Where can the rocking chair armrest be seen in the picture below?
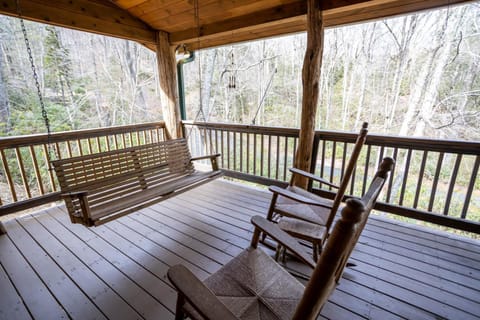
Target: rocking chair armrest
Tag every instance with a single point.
(296, 197)
(312, 177)
(200, 297)
(283, 238)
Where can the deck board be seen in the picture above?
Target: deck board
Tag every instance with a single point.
(51, 269)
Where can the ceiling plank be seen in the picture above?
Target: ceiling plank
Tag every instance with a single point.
(84, 15)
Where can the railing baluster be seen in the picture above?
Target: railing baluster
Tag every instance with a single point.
(367, 164)
(69, 149)
(269, 154)
(149, 135)
(471, 186)
(405, 176)
(53, 186)
(420, 179)
(90, 147)
(332, 163)
(262, 147)
(222, 145)
(36, 169)
(234, 150)
(435, 181)
(124, 141)
(115, 141)
(392, 177)
(216, 141)
(23, 174)
(277, 158)
(344, 160)
(6, 169)
(241, 151)
(99, 147)
(285, 160)
(451, 185)
(254, 153)
(80, 149)
(107, 143)
(228, 150)
(322, 162)
(57, 151)
(248, 152)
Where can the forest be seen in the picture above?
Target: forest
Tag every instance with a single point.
(415, 75)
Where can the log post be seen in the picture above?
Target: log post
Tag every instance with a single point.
(310, 80)
(168, 86)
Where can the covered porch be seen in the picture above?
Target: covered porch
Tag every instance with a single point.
(53, 269)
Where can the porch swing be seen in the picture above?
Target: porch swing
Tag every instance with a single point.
(104, 186)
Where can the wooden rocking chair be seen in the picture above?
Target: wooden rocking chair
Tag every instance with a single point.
(254, 286)
(294, 203)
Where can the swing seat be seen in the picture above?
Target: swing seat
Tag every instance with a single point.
(101, 187)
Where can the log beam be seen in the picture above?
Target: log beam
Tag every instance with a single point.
(100, 17)
(167, 73)
(310, 80)
(291, 18)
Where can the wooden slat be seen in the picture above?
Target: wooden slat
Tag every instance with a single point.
(139, 289)
(72, 299)
(33, 291)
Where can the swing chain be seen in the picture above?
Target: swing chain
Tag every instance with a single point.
(37, 83)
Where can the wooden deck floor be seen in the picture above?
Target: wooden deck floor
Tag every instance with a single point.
(51, 269)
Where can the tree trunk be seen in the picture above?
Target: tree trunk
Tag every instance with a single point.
(168, 85)
(310, 78)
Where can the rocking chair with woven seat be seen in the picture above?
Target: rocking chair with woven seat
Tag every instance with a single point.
(255, 286)
(293, 205)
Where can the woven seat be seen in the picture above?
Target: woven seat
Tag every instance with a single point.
(250, 294)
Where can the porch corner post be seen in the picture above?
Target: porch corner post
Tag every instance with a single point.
(167, 74)
(311, 81)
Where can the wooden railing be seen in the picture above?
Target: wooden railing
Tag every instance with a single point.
(433, 180)
(25, 177)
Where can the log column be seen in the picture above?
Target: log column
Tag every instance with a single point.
(167, 74)
(310, 80)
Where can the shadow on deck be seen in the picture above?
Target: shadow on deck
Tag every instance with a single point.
(52, 269)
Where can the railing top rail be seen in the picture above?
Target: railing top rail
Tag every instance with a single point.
(291, 132)
(37, 139)
(427, 144)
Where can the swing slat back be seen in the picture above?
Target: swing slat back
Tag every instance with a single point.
(104, 186)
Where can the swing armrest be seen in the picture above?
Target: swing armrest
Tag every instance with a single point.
(212, 157)
(75, 194)
(82, 197)
(312, 177)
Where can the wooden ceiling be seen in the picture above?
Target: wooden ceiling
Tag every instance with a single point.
(211, 23)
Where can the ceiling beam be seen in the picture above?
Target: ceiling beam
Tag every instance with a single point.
(291, 18)
(100, 17)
